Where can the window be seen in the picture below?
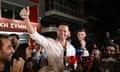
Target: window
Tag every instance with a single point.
(10, 11)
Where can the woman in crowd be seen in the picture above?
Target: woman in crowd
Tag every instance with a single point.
(85, 45)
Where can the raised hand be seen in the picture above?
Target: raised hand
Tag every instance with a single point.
(24, 13)
(18, 65)
(83, 44)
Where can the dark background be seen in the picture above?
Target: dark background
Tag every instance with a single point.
(103, 16)
(107, 13)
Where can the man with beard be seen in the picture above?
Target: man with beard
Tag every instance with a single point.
(6, 52)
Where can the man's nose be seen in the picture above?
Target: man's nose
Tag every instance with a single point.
(12, 50)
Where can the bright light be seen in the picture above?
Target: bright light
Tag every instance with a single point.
(19, 33)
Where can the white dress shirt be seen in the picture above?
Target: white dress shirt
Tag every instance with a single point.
(54, 51)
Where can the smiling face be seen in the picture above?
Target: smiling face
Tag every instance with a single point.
(63, 32)
(110, 50)
(6, 50)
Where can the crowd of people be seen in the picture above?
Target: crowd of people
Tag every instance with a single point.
(57, 55)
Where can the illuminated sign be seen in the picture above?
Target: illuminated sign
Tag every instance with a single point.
(15, 25)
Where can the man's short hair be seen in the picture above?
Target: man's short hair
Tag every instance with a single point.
(2, 36)
(63, 23)
(17, 36)
(110, 45)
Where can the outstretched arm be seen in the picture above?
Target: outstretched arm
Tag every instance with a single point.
(41, 40)
(24, 13)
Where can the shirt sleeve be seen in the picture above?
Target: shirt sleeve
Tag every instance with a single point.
(41, 40)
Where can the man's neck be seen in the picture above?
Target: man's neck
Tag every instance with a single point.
(63, 42)
(1, 66)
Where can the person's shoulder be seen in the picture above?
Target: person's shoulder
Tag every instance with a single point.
(70, 45)
(51, 39)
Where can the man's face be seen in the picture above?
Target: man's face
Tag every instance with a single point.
(81, 35)
(110, 50)
(14, 41)
(7, 50)
(63, 32)
(95, 53)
